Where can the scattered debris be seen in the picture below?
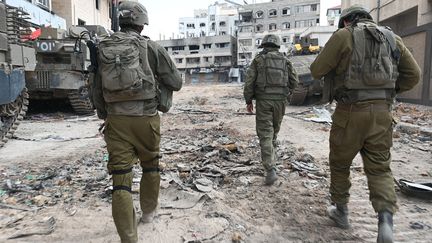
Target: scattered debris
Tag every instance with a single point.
(44, 227)
(204, 184)
(420, 190)
(320, 115)
(40, 200)
(207, 228)
(311, 184)
(236, 238)
(174, 197)
(3, 205)
(419, 226)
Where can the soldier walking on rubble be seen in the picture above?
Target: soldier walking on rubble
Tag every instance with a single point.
(131, 71)
(269, 80)
(365, 66)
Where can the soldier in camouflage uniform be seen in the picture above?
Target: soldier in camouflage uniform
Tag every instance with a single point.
(364, 66)
(132, 131)
(269, 80)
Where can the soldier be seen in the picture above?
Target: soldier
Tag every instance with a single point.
(365, 66)
(131, 70)
(269, 80)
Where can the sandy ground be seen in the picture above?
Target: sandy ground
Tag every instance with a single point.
(55, 187)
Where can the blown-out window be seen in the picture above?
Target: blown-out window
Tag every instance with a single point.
(259, 28)
(258, 41)
(272, 26)
(259, 14)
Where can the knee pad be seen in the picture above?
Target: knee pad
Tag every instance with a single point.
(122, 179)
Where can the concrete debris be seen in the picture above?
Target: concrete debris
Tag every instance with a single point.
(28, 190)
(40, 200)
(407, 128)
(174, 197)
(210, 163)
(236, 238)
(311, 184)
(419, 226)
(207, 229)
(43, 227)
(320, 115)
(204, 184)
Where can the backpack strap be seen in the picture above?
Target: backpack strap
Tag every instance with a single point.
(359, 44)
(391, 39)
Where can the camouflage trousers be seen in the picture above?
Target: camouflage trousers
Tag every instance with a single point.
(269, 115)
(129, 140)
(365, 128)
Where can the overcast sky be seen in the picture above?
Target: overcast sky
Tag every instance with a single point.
(164, 14)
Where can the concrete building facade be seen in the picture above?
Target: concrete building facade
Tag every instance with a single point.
(200, 54)
(209, 54)
(217, 19)
(82, 12)
(287, 19)
(40, 12)
(412, 20)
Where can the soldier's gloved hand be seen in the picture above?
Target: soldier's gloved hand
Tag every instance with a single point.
(249, 107)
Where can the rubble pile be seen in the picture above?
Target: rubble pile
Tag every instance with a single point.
(413, 126)
(68, 183)
(195, 163)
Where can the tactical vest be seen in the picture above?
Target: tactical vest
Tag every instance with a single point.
(124, 68)
(373, 71)
(273, 74)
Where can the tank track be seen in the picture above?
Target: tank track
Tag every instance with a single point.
(298, 96)
(82, 106)
(9, 124)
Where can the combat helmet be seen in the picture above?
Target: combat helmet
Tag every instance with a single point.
(270, 40)
(354, 9)
(132, 13)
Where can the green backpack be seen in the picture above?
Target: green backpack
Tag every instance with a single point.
(273, 73)
(373, 62)
(124, 68)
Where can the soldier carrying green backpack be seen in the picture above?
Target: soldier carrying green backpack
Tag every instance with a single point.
(269, 80)
(135, 78)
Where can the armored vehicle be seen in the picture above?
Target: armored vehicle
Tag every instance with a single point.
(62, 66)
(308, 90)
(16, 57)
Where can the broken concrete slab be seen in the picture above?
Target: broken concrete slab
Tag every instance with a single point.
(173, 197)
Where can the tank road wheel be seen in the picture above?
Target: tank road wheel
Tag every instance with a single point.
(298, 96)
(11, 115)
(81, 103)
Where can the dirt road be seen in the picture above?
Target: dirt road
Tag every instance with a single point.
(54, 185)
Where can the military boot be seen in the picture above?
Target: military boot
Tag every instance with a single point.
(271, 177)
(339, 214)
(385, 227)
(148, 217)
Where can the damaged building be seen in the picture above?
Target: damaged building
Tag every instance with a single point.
(288, 19)
(203, 59)
(217, 19)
